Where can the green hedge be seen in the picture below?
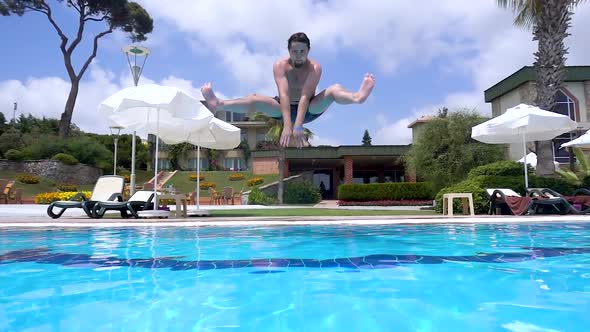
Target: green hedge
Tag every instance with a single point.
(385, 191)
(15, 155)
(558, 184)
(515, 183)
(65, 158)
(302, 193)
(258, 197)
(500, 168)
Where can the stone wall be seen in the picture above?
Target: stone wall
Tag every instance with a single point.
(54, 170)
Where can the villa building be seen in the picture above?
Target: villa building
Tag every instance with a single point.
(573, 100)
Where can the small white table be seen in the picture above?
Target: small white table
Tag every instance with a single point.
(466, 200)
(181, 201)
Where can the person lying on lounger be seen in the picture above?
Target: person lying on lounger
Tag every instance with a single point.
(297, 78)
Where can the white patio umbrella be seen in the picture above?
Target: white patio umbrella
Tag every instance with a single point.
(582, 141)
(152, 107)
(218, 135)
(523, 123)
(531, 159)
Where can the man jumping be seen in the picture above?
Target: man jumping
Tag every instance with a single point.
(297, 78)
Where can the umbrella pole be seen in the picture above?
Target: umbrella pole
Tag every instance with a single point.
(132, 177)
(526, 176)
(156, 161)
(198, 177)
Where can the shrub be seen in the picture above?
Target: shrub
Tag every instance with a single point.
(193, 177)
(207, 185)
(558, 184)
(500, 168)
(515, 183)
(302, 193)
(67, 187)
(258, 197)
(236, 176)
(47, 198)
(481, 199)
(13, 154)
(254, 181)
(27, 178)
(65, 158)
(385, 191)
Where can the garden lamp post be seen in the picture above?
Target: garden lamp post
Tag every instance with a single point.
(115, 131)
(133, 52)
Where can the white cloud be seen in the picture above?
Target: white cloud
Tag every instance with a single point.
(478, 41)
(321, 140)
(389, 33)
(46, 97)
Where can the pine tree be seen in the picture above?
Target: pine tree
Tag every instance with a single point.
(366, 138)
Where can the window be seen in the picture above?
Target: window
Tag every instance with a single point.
(203, 165)
(221, 115)
(566, 106)
(234, 164)
(243, 136)
(238, 116)
(562, 156)
(164, 164)
(230, 116)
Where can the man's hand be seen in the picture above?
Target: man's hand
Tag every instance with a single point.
(286, 136)
(299, 136)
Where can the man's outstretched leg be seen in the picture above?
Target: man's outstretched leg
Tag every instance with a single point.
(337, 93)
(249, 104)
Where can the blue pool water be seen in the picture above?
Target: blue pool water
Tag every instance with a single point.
(509, 277)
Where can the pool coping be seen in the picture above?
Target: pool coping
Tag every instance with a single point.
(283, 221)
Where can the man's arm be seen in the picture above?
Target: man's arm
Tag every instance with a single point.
(283, 88)
(307, 92)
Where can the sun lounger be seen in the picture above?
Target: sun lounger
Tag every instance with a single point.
(578, 203)
(107, 188)
(141, 200)
(507, 201)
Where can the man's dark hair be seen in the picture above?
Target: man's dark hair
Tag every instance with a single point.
(298, 37)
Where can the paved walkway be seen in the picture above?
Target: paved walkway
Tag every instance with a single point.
(34, 215)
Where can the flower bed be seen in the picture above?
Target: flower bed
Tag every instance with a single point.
(47, 198)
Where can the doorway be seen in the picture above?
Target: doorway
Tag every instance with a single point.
(322, 179)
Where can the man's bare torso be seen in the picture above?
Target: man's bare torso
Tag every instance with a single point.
(296, 77)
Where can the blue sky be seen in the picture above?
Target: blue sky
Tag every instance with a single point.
(438, 53)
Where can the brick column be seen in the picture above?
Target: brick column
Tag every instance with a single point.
(286, 168)
(348, 169)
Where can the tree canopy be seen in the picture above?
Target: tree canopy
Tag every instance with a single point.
(445, 152)
(127, 16)
(366, 138)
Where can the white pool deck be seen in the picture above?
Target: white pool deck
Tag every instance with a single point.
(34, 215)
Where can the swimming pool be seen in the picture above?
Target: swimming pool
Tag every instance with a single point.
(445, 277)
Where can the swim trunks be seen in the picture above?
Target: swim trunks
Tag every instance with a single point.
(308, 116)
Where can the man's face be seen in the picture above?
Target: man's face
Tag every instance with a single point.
(298, 54)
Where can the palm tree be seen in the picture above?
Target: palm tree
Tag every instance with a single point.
(550, 21)
(274, 136)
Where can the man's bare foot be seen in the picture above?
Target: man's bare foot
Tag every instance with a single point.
(366, 88)
(210, 97)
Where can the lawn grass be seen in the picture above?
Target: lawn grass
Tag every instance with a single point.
(182, 182)
(304, 212)
(46, 185)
